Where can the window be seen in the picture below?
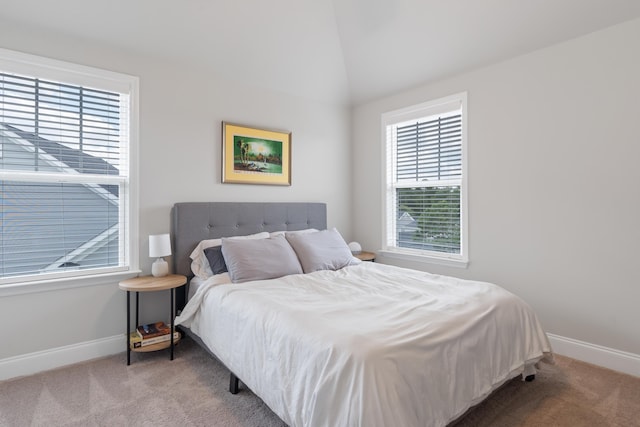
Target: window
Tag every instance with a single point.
(425, 212)
(67, 138)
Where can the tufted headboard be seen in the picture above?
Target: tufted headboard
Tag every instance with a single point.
(193, 222)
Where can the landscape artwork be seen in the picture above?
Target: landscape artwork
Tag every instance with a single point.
(251, 155)
(255, 156)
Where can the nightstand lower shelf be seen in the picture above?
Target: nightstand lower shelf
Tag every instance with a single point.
(155, 347)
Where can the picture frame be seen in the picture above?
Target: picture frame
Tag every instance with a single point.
(255, 156)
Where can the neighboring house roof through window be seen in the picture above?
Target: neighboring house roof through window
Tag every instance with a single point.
(60, 156)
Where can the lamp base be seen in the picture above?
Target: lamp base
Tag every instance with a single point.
(160, 268)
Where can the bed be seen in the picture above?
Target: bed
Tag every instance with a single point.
(365, 344)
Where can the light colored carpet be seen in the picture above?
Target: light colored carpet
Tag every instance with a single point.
(192, 390)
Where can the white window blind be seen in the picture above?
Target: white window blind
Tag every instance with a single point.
(425, 203)
(64, 176)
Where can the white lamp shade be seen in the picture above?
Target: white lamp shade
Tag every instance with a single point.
(159, 245)
(355, 248)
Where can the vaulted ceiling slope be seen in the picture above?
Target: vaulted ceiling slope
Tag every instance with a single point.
(346, 51)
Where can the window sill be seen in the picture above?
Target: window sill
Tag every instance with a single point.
(65, 283)
(426, 259)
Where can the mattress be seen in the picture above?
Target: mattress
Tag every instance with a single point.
(367, 345)
(194, 284)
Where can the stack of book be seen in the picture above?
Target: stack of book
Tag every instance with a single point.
(152, 333)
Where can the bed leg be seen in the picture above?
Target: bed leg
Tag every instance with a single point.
(233, 384)
(530, 378)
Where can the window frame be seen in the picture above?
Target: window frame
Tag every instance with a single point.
(415, 112)
(81, 75)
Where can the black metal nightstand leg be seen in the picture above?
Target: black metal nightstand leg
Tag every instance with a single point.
(137, 307)
(173, 308)
(128, 330)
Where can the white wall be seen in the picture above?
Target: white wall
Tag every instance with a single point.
(554, 202)
(181, 110)
(553, 146)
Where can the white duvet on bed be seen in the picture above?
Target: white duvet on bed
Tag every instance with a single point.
(368, 345)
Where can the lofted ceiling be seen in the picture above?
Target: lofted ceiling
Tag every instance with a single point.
(346, 51)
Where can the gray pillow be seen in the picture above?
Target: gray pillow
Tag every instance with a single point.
(324, 250)
(259, 259)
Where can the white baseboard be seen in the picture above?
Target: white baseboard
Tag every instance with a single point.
(40, 361)
(610, 358)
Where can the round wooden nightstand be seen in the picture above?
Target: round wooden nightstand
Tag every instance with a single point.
(151, 284)
(366, 256)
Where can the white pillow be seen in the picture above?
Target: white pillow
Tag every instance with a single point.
(196, 283)
(200, 264)
(259, 259)
(283, 232)
(324, 250)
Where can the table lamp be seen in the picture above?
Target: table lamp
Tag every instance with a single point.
(355, 248)
(159, 246)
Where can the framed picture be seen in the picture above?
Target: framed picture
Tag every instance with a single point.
(255, 156)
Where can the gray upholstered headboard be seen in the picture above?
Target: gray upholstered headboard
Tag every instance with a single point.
(193, 222)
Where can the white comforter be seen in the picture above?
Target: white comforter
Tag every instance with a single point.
(368, 345)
